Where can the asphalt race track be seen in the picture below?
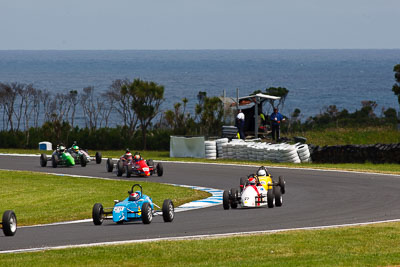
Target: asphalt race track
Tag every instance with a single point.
(313, 198)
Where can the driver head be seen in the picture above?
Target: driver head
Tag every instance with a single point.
(134, 196)
(262, 172)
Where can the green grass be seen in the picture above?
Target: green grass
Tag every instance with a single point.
(373, 245)
(164, 155)
(345, 136)
(39, 198)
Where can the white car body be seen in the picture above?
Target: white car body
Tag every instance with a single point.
(250, 194)
(83, 152)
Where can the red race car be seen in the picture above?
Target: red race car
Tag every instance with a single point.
(134, 165)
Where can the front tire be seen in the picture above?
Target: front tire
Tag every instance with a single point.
(120, 168)
(234, 195)
(54, 161)
(225, 200)
(168, 211)
(278, 196)
(98, 214)
(83, 160)
(109, 165)
(9, 222)
(160, 169)
(147, 213)
(98, 157)
(43, 160)
(128, 171)
(270, 198)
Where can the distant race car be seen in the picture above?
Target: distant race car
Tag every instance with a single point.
(136, 207)
(130, 166)
(68, 157)
(256, 191)
(60, 157)
(9, 223)
(81, 156)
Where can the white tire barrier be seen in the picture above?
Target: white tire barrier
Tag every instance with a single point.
(256, 151)
(210, 149)
(304, 153)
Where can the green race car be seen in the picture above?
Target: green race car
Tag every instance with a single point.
(60, 157)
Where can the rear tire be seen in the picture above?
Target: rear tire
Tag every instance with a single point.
(168, 211)
(54, 161)
(120, 168)
(109, 165)
(43, 160)
(278, 196)
(9, 222)
(147, 213)
(98, 157)
(282, 184)
(150, 163)
(225, 200)
(160, 169)
(98, 214)
(270, 198)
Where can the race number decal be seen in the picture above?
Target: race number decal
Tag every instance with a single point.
(118, 209)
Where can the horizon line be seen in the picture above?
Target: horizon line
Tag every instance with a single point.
(206, 49)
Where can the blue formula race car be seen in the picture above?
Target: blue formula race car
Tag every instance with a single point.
(136, 207)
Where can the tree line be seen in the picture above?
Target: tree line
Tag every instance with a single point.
(125, 110)
(30, 115)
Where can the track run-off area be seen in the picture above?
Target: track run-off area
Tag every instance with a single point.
(313, 199)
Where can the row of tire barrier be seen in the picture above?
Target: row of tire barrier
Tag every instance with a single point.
(256, 151)
(220, 143)
(211, 149)
(229, 131)
(378, 153)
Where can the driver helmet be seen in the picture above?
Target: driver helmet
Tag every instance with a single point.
(262, 172)
(252, 181)
(75, 148)
(128, 153)
(62, 148)
(134, 196)
(137, 156)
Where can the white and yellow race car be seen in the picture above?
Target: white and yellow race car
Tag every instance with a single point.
(255, 191)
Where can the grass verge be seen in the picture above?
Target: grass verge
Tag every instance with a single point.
(39, 198)
(164, 155)
(373, 245)
(344, 136)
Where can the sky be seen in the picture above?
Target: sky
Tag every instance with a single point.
(201, 24)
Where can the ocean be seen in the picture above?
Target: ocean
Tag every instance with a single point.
(315, 78)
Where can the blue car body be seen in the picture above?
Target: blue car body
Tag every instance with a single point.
(135, 207)
(131, 210)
